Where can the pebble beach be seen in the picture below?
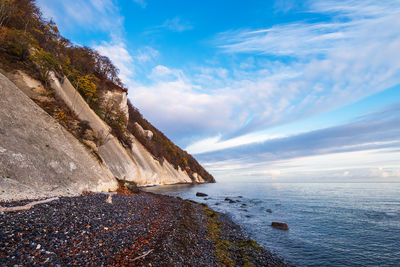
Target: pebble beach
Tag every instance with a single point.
(141, 229)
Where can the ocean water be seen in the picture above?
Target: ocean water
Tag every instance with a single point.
(347, 224)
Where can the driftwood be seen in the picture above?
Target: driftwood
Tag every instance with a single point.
(109, 199)
(144, 255)
(27, 206)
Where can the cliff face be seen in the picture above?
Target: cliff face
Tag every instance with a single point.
(133, 163)
(38, 157)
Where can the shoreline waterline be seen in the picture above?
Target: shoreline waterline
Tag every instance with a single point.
(331, 224)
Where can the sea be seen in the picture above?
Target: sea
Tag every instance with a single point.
(331, 224)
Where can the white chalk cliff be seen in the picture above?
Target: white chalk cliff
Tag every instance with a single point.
(38, 157)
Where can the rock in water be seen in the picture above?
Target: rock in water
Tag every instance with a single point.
(199, 194)
(230, 200)
(269, 210)
(280, 226)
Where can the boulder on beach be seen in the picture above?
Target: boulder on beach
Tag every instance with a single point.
(199, 194)
(280, 226)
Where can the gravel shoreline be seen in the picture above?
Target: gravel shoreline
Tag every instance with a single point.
(86, 230)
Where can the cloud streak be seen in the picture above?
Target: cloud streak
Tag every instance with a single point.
(377, 130)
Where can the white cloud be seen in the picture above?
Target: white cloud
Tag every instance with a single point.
(174, 104)
(215, 143)
(120, 56)
(146, 54)
(369, 165)
(93, 15)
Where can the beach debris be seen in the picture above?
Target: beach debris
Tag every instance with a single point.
(144, 255)
(280, 226)
(27, 206)
(199, 194)
(109, 199)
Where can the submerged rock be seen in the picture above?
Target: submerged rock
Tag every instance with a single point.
(269, 210)
(199, 194)
(230, 200)
(280, 226)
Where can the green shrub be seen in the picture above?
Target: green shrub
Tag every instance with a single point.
(44, 62)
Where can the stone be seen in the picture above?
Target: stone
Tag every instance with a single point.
(229, 200)
(146, 133)
(132, 187)
(280, 226)
(199, 194)
(269, 210)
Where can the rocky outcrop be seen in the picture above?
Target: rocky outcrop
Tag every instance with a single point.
(146, 133)
(151, 171)
(118, 97)
(38, 157)
(28, 85)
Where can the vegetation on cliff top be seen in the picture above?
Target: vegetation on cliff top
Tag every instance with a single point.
(31, 43)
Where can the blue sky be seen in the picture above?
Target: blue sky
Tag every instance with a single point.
(270, 90)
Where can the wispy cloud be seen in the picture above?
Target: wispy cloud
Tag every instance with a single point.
(337, 61)
(378, 130)
(375, 165)
(293, 71)
(146, 54)
(176, 25)
(93, 15)
(141, 3)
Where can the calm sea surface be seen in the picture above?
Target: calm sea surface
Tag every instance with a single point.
(348, 224)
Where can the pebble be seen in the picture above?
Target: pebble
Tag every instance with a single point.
(86, 230)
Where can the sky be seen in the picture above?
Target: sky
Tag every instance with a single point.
(288, 91)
